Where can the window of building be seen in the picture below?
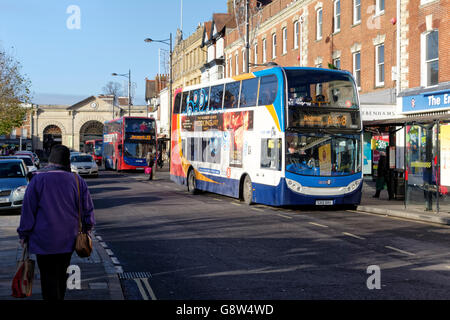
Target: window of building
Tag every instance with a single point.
(337, 15)
(356, 11)
(264, 51)
(319, 24)
(357, 68)
(237, 65)
(255, 54)
(379, 65)
(274, 46)
(430, 60)
(244, 61)
(284, 40)
(337, 63)
(379, 7)
(296, 34)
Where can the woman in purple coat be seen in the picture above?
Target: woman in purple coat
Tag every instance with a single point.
(49, 220)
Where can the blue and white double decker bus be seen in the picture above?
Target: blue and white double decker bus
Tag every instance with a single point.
(281, 136)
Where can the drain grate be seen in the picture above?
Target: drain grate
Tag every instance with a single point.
(134, 275)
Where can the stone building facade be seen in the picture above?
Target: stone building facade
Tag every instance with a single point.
(73, 125)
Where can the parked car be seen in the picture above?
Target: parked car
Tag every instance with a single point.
(33, 156)
(26, 159)
(13, 183)
(84, 164)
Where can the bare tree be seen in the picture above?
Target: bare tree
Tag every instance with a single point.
(113, 88)
(14, 91)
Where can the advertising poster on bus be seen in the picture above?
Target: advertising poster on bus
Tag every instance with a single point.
(236, 123)
(325, 160)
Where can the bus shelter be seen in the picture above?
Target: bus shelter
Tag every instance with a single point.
(418, 153)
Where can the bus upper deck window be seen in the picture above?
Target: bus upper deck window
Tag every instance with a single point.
(268, 90)
(249, 93)
(184, 102)
(177, 104)
(231, 99)
(216, 97)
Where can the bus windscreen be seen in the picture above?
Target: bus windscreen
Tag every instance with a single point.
(322, 89)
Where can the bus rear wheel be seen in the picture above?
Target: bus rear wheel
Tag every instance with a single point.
(192, 182)
(247, 191)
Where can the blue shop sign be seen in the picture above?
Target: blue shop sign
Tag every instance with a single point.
(427, 101)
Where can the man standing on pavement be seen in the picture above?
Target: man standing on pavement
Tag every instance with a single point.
(49, 220)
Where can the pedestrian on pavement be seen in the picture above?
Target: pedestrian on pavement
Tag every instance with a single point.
(49, 221)
(383, 179)
(150, 158)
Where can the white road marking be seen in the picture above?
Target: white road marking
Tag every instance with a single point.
(258, 209)
(115, 260)
(400, 251)
(235, 204)
(141, 289)
(147, 285)
(109, 252)
(318, 225)
(353, 235)
(283, 216)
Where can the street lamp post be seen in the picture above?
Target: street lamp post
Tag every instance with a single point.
(169, 43)
(129, 88)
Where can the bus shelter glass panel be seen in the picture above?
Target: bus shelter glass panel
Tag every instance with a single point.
(421, 165)
(444, 189)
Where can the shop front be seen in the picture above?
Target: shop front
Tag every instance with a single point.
(419, 151)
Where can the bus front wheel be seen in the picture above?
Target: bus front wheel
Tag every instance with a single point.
(247, 190)
(192, 182)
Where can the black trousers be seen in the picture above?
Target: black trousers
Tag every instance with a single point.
(53, 270)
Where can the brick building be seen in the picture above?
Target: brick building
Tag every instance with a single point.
(22, 135)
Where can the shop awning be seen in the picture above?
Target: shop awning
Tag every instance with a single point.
(407, 120)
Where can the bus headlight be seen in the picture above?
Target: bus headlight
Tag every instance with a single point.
(294, 185)
(354, 185)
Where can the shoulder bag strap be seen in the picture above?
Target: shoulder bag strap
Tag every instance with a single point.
(79, 204)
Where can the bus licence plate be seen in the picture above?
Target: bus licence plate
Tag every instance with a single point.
(324, 202)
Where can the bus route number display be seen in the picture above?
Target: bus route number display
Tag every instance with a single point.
(331, 120)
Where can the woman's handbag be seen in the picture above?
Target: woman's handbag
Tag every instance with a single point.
(83, 243)
(22, 283)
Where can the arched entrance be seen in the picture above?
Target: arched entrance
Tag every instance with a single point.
(52, 136)
(91, 130)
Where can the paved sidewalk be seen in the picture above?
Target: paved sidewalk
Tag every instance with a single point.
(99, 279)
(397, 208)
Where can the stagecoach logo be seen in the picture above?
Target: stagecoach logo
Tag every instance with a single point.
(327, 182)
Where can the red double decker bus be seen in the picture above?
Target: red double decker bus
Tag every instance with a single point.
(126, 142)
(95, 149)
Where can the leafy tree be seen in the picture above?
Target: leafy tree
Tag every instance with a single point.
(14, 91)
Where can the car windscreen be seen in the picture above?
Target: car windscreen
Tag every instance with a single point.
(11, 170)
(27, 161)
(81, 159)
